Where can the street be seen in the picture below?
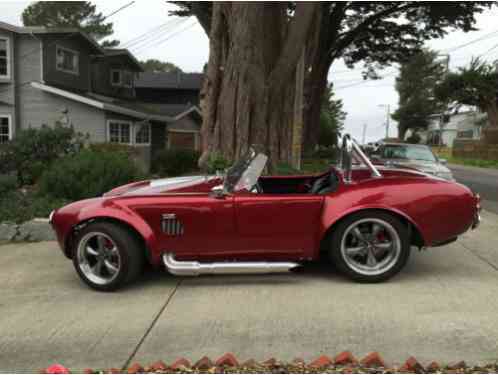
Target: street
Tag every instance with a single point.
(481, 180)
(442, 307)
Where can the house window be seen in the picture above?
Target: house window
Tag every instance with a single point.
(116, 77)
(121, 78)
(119, 131)
(142, 134)
(4, 58)
(5, 129)
(67, 60)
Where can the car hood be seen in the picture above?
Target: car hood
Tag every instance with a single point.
(426, 167)
(174, 185)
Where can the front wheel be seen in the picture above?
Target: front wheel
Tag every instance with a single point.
(370, 246)
(106, 256)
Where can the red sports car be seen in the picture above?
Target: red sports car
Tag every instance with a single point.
(366, 220)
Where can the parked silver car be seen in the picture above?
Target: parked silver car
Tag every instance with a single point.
(414, 156)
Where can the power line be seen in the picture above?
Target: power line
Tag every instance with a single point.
(158, 37)
(141, 50)
(143, 37)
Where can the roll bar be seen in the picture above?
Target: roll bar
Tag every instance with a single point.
(350, 148)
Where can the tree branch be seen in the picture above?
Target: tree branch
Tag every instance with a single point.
(351, 35)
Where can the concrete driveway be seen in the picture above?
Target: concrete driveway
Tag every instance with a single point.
(443, 306)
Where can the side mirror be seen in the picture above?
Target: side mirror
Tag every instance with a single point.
(443, 161)
(218, 192)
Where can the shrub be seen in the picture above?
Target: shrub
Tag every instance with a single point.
(8, 183)
(33, 150)
(88, 174)
(175, 162)
(216, 162)
(113, 147)
(326, 153)
(20, 206)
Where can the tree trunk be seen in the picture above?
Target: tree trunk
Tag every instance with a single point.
(249, 90)
(492, 111)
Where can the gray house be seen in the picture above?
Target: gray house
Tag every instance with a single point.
(50, 75)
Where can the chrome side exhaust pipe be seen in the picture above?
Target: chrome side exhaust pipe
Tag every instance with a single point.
(193, 268)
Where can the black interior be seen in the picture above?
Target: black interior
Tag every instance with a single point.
(322, 184)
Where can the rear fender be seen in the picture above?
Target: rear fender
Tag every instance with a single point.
(330, 220)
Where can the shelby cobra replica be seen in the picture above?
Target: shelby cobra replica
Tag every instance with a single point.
(365, 218)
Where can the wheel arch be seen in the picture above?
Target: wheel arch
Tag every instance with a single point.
(143, 234)
(416, 237)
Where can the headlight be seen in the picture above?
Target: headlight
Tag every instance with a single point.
(51, 216)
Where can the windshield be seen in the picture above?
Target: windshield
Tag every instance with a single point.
(407, 153)
(244, 174)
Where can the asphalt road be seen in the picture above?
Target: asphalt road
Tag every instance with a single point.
(442, 306)
(481, 180)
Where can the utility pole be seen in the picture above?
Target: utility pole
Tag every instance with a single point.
(442, 117)
(297, 126)
(364, 134)
(388, 115)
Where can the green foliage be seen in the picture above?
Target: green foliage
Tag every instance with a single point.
(330, 153)
(113, 147)
(415, 85)
(474, 85)
(332, 119)
(414, 138)
(284, 169)
(88, 174)
(78, 14)
(20, 206)
(216, 162)
(175, 162)
(33, 150)
(154, 65)
(8, 183)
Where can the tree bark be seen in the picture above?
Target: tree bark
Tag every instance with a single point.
(250, 84)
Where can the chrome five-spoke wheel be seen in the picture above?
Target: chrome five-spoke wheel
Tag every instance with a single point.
(370, 246)
(107, 255)
(98, 258)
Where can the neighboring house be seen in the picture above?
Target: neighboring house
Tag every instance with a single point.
(50, 75)
(466, 124)
(175, 94)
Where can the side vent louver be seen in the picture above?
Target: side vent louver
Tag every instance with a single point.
(170, 225)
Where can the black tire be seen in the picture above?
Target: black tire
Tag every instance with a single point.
(131, 253)
(337, 257)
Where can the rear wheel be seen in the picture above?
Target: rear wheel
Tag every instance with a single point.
(370, 246)
(106, 256)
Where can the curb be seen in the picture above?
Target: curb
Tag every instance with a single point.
(343, 362)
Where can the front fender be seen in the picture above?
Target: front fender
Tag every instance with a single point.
(70, 217)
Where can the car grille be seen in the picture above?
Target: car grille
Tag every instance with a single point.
(171, 226)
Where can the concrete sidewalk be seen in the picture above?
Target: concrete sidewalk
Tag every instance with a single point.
(443, 306)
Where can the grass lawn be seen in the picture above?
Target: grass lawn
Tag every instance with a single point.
(445, 153)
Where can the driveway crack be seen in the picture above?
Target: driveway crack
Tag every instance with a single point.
(151, 326)
(480, 257)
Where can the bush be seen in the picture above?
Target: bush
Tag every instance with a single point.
(20, 206)
(175, 162)
(8, 183)
(113, 147)
(326, 153)
(33, 150)
(88, 174)
(216, 162)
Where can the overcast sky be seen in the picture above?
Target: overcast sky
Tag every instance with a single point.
(183, 42)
